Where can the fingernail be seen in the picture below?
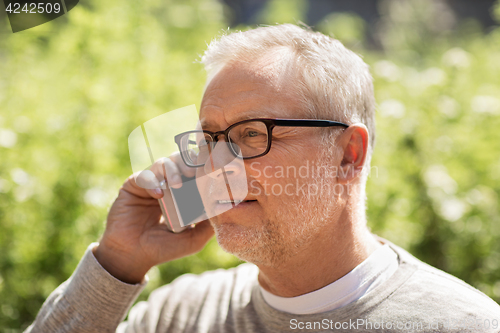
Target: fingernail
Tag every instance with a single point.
(158, 191)
(176, 179)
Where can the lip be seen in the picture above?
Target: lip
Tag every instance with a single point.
(222, 202)
(220, 208)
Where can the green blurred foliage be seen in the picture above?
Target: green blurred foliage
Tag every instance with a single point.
(73, 89)
(283, 11)
(347, 27)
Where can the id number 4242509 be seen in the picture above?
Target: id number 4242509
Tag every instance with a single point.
(33, 8)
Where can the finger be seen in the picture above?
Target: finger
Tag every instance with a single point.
(142, 184)
(167, 173)
(154, 181)
(148, 181)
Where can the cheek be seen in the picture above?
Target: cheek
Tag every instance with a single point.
(262, 172)
(271, 183)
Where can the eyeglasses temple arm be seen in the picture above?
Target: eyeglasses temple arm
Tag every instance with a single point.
(308, 123)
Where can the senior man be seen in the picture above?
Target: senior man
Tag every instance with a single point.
(313, 265)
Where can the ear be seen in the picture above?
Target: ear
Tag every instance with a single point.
(354, 144)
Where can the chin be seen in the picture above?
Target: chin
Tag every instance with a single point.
(234, 238)
(254, 245)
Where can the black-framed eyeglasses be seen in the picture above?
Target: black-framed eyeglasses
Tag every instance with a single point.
(246, 139)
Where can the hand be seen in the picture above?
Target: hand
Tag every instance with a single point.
(136, 237)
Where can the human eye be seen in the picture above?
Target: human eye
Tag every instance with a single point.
(250, 137)
(252, 132)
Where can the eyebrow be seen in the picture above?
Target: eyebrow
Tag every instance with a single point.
(204, 124)
(248, 115)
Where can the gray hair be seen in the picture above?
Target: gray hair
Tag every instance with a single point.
(332, 82)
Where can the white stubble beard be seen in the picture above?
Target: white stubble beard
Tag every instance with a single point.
(288, 230)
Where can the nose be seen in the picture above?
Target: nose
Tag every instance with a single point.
(222, 162)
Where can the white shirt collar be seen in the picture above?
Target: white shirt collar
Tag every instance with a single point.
(373, 271)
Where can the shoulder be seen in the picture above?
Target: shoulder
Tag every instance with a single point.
(216, 285)
(209, 295)
(240, 274)
(430, 280)
(433, 293)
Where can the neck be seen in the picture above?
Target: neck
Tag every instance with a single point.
(330, 256)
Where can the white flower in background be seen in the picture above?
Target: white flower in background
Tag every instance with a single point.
(23, 193)
(444, 143)
(8, 138)
(448, 106)
(432, 76)
(456, 57)
(96, 197)
(392, 108)
(55, 123)
(441, 189)
(20, 177)
(483, 196)
(474, 196)
(485, 104)
(26, 184)
(437, 176)
(452, 209)
(417, 81)
(387, 70)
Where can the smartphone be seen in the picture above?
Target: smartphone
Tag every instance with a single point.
(155, 139)
(182, 207)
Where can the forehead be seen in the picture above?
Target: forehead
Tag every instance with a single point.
(244, 90)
